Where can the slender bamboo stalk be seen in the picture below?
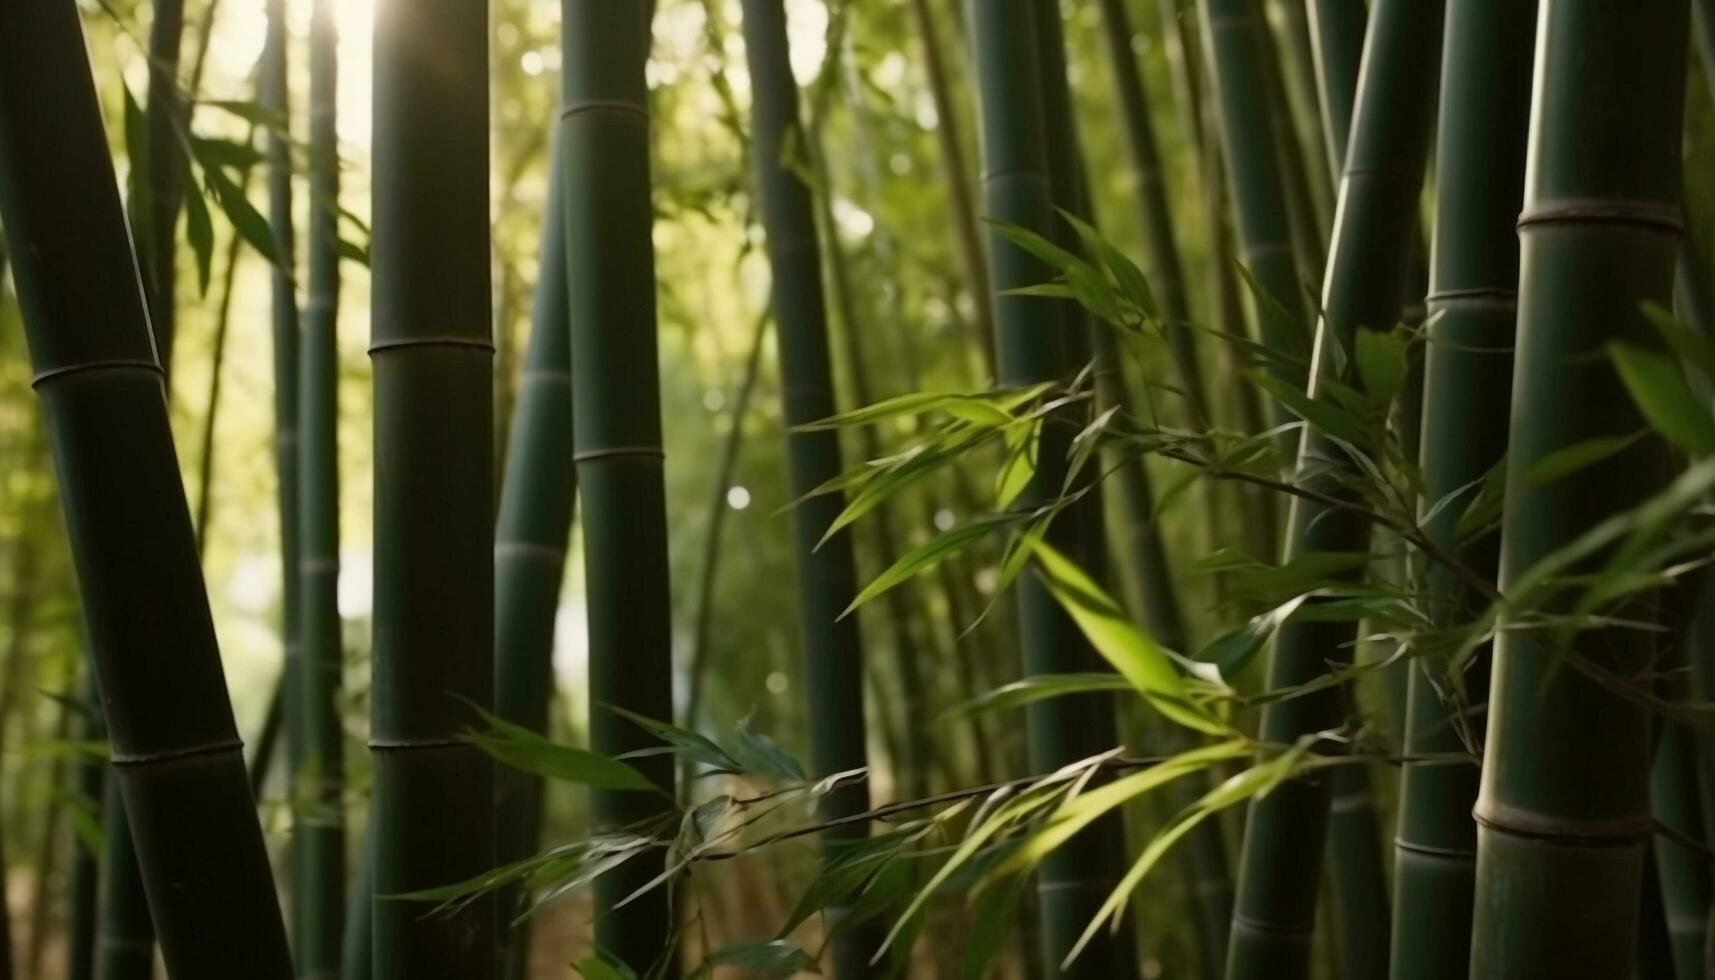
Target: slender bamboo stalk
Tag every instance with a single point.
(956, 173)
(319, 831)
(1233, 37)
(1561, 841)
(84, 892)
(1337, 34)
(1683, 872)
(357, 962)
(165, 117)
(1167, 276)
(833, 651)
(1030, 339)
(714, 530)
(1365, 287)
(175, 748)
(538, 494)
(434, 531)
(274, 95)
(610, 278)
(1297, 58)
(1485, 108)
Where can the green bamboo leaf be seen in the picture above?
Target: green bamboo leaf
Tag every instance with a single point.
(1696, 349)
(139, 184)
(563, 763)
(990, 923)
(1382, 364)
(211, 152)
(1233, 650)
(926, 556)
(680, 741)
(199, 231)
(759, 754)
(254, 113)
(1138, 659)
(1132, 282)
(759, 958)
(1078, 812)
(602, 968)
(1054, 256)
(246, 220)
(1253, 782)
(1041, 688)
(1019, 468)
(1325, 416)
(1659, 389)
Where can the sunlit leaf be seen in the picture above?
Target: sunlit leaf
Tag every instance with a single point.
(1121, 643)
(1041, 688)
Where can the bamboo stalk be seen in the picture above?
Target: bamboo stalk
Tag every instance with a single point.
(1337, 34)
(538, 494)
(319, 832)
(84, 892)
(1485, 107)
(610, 279)
(434, 532)
(827, 569)
(165, 116)
(1233, 38)
(175, 747)
(1561, 842)
(1364, 289)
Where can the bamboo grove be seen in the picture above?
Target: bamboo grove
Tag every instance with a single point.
(756, 488)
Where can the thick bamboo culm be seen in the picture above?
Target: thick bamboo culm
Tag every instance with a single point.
(176, 751)
(1280, 865)
(610, 280)
(434, 531)
(1561, 841)
(1485, 111)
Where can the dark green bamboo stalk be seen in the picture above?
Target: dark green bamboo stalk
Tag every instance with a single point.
(956, 173)
(165, 116)
(274, 95)
(434, 530)
(1296, 48)
(1337, 33)
(319, 829)
(1031, 340)
(610, 279)
(1682, 871)
(1365, 286)
(357, 962)
(1561, 840)
(1233, 38)
(827, 570)
(1485, 109)
(1167, 276)
(175, 748)
(125, 949)
(531, 535)
(84, 892)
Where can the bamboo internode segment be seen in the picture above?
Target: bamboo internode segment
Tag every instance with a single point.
(610, 285)
(1563, 810)
(169, 721)
(434, 533)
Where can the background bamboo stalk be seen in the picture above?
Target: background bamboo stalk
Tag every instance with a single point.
(538, 494)
(320, 781)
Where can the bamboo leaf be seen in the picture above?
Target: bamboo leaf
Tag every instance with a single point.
(1325, 416)
(1022, 444)
(246, 220)
(1132, 282)
(1128, 649)
(681, 742)
(1696, 349)
(602, 968)
(759, 754)
(926, 556)
(199, 231)
(1659, 389)
(1382, 364)
(759, 958)
(1040, 688)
